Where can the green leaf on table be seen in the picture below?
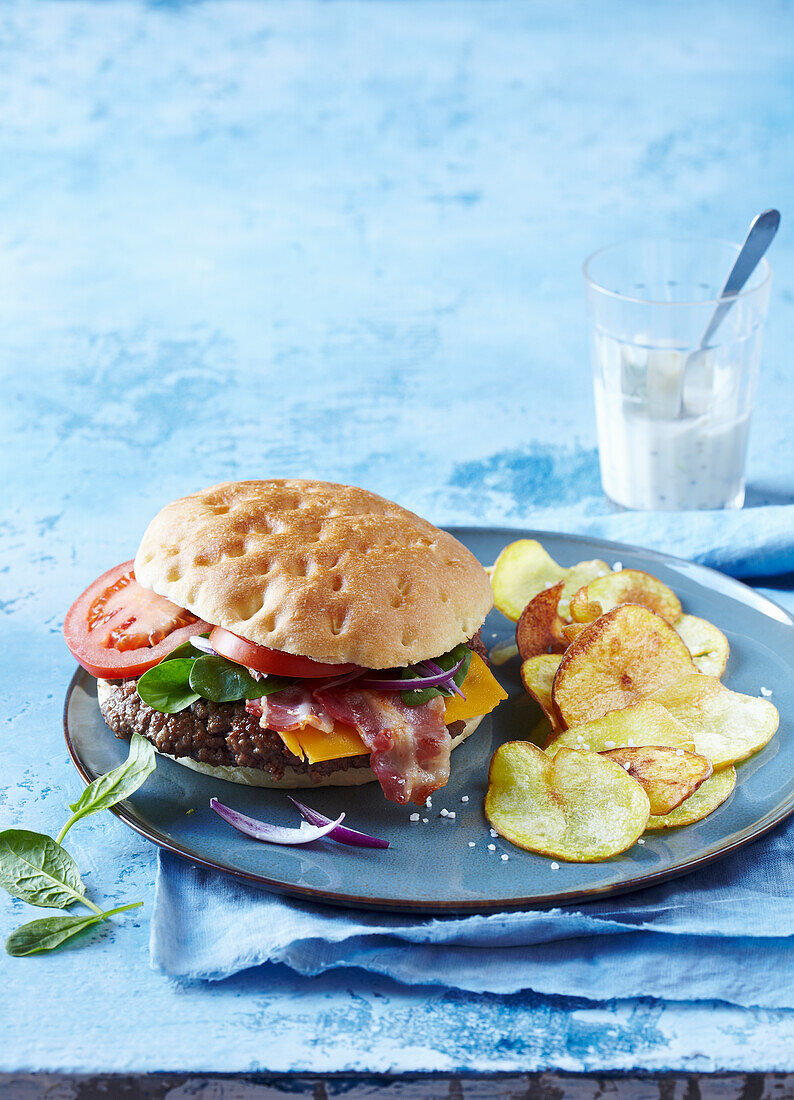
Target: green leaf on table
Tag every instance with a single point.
(48, 932)
(223, 681)
(166, 687)
(36, 869)
(106, 790)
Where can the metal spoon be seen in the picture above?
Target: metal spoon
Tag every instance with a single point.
(759, 237)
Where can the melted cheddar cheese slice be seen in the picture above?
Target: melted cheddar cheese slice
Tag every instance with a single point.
(483, 694)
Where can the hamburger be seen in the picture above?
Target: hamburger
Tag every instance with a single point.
(289, 633)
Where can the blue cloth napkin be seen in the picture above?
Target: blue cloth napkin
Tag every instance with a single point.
(722, 933)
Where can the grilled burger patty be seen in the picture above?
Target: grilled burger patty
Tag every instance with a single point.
(221, 734)
(215, 733)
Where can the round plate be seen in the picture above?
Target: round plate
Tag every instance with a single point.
(431, 865)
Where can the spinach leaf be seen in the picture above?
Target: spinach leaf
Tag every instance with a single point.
(36, 869)
(50, 932)
(106, 790)
(184, 650)
(446, 661)
(166, 687)
(224, 681)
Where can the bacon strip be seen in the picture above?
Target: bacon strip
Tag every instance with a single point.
(293, 708)
(409, 746)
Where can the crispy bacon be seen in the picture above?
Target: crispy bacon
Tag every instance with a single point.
(409, 746)
(291, 709)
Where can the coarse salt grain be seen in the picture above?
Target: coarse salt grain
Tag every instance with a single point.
(640, 841)
(429, 803)
(451, 814)
(609, 744)
(679, 752)
(464, 798)
(617, 566)
(627, 766)
(445, 813)
(494, 832)
(555, 866)
(766, 692)
(414, 817)
(471, 843)
(504, 856)
(491, 847)
(424, 821)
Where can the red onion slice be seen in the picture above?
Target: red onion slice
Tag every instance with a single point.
(354, 675)
(339, 833)
(414, 684)
(274, 834)
(203, 645)
(451, 685)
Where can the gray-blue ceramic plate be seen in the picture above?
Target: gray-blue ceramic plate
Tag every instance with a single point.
(431, 865)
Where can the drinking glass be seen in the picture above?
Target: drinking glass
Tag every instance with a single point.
(672, 418)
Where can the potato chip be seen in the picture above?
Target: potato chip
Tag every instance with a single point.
(704, 801)
(644, 723)
(571, 631)
(625, 655)
(708, 645)
(726, 726)
(668, 776)
(577, 576)
(539, 628)
(579, 807)
(523, 569)
(628, 586)
(537, 676)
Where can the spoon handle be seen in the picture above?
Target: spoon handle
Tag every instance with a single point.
(758, 239)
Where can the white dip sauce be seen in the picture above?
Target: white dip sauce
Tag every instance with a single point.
(661, 448)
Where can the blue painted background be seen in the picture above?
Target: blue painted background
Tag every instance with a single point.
(339, 240)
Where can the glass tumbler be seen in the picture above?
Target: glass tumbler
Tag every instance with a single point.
(672, 416)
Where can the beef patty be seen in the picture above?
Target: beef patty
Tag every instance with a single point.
(221, 734)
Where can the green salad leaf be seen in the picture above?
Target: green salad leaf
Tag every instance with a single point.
(166, 686)
(50, 932)
(224, 681)
(106, 790)
(446, 661)
(36, 869)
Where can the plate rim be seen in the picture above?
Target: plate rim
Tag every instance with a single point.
(759, 601)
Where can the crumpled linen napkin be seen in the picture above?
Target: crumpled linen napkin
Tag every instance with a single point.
(721, 933)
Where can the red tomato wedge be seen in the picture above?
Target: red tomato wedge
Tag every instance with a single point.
(119, 629)
(272, 661)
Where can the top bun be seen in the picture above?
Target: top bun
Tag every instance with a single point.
(316, 569)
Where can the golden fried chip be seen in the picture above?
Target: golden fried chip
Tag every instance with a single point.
(537, 676)
(578, 807)
(707, 644)
(578, 575)
(628, 586)
(571, 631)
(539, 628)
(523, 569)
(668, 776)
(644, 723)
(624, 656)
(726, 726)
(704, 801)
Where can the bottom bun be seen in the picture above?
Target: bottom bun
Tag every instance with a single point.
(292, 778)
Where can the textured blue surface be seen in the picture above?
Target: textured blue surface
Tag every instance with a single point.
(339, 240)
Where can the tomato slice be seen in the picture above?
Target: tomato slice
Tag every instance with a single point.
(119, 629)
(272, 661)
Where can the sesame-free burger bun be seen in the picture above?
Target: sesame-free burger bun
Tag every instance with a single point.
(321, 570)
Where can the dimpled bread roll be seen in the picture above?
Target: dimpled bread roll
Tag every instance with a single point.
(316, 569)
